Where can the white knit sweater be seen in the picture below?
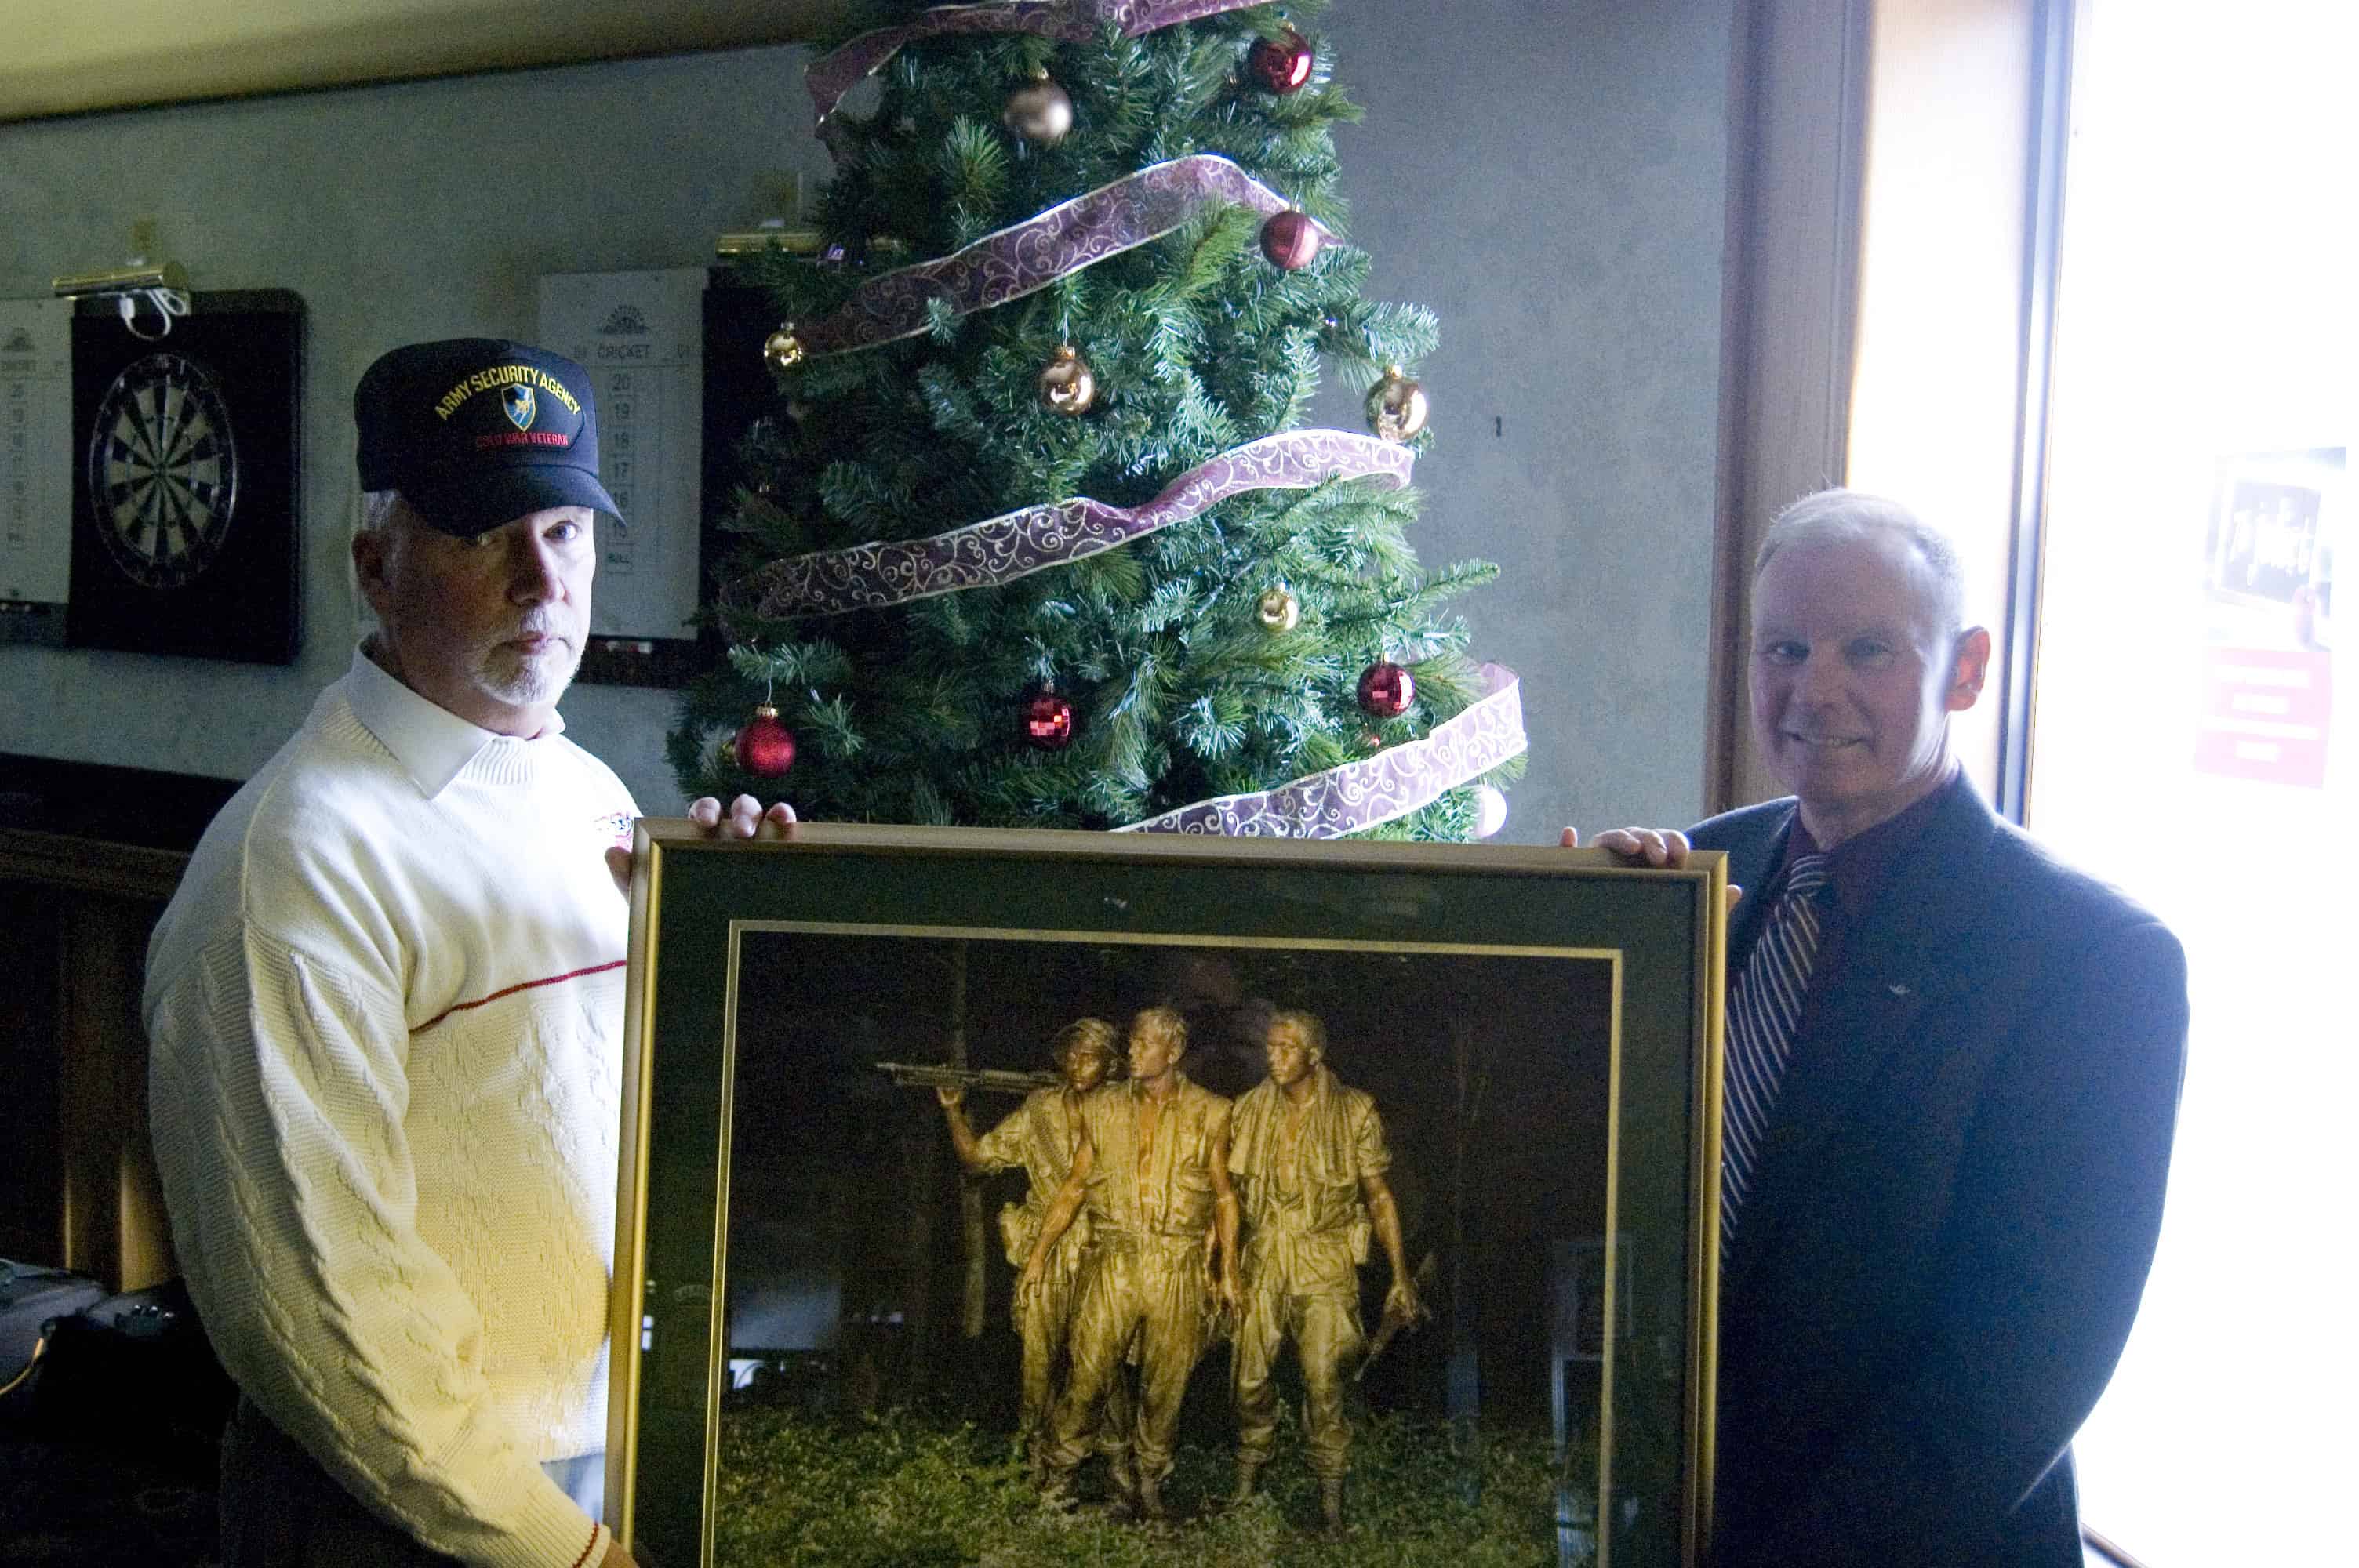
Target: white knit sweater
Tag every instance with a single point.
(385, 1009)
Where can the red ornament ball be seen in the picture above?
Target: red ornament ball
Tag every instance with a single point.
(1048, 722)
(1386, 690)
(1290, 240)
(766, 746)
(1282, 64)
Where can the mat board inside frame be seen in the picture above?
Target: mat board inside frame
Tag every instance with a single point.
(822, 1343)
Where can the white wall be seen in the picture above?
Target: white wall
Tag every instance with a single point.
(403, 212)
(1547, 174)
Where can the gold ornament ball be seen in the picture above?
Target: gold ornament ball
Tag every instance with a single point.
(1068, 386)
(1279, 611)
(782, 349)
(1396, 407)
(1039, 111)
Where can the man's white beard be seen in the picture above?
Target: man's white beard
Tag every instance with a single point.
(526, 682)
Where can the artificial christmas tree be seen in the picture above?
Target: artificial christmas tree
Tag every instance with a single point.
(1040, 440)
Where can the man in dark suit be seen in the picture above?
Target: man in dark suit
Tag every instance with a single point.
(1940, 1207)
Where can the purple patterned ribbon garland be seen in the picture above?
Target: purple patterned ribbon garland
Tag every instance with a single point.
(1026, 257)
(1009, 264)
(836, 72)
(882, 573)
(1377, 789)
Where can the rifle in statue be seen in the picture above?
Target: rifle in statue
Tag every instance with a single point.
(989, 1080)
(1394, 1323)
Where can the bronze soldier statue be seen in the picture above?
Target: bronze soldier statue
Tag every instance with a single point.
(1153, 1167)
(1041, 1138)
(1309, 1154)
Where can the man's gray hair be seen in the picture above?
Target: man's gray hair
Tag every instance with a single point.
(1834, 516)
(379, 509)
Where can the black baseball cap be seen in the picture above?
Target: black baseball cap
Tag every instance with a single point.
(475, 431)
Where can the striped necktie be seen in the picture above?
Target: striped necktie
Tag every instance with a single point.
(1762, 1009)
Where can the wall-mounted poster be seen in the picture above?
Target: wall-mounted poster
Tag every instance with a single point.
(35, 467)
(2277, 519)
(641, 336)
(1049, 1198)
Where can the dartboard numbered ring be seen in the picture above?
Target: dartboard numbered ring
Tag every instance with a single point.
(163, 471)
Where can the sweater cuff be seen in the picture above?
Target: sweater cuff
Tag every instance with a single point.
(550, 1532)
(594, 1551)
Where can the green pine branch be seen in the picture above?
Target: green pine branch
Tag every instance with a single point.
(1198, 346)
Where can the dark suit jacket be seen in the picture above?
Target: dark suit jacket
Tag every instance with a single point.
(1955, 1208)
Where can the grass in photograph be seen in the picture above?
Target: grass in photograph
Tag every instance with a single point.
(898, 1491)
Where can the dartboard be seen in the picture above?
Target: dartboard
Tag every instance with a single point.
(184, 537)
(163, 469)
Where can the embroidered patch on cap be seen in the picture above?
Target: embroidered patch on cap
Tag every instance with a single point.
(475, 432)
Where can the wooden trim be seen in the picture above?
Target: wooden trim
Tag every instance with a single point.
(32, 1155)
(101, 902)
(89, 865)
(93, 55)
(1797, 161)
(114, 1221)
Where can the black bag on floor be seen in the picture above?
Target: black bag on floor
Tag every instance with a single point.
(32, 1298)
(134, 1372)
(109, 1442)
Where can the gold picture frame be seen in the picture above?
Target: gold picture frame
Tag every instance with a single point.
(1539, 1031)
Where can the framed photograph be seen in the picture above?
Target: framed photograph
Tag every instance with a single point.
(1058, 1198)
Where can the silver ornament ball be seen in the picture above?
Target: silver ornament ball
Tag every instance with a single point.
(1039, 111)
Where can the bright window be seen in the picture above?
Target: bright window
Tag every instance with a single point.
(2188, 741)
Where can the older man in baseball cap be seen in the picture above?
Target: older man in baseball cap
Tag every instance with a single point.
(479, 459)
(385, 1009)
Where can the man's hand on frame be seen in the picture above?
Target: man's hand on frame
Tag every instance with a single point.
(1663, 846)
(746, 818)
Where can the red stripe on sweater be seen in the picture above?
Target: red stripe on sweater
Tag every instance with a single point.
(526, 986)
